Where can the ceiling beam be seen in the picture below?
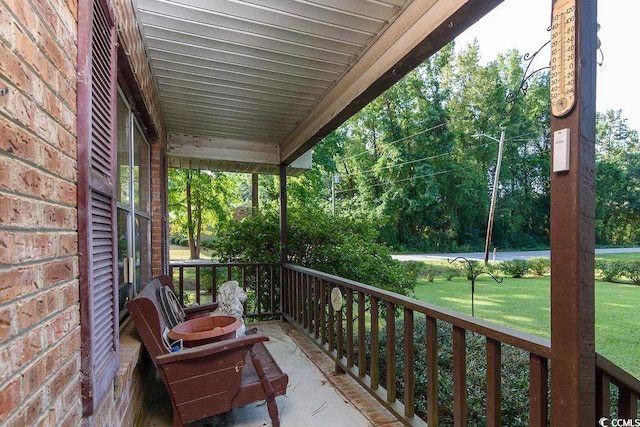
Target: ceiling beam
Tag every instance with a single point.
(222, 149)
(419, 32)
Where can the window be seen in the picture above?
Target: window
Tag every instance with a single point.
(133, 205)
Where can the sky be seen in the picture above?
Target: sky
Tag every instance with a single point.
(522, 25)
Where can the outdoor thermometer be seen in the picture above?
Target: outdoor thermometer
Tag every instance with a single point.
(563, 57)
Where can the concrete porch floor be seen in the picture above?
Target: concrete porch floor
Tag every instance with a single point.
(316, 396)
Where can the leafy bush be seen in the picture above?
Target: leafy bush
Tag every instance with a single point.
(515, 369)
(540, 266)
(609, 270)
(516, 268)
(336, 245)
(631, 270)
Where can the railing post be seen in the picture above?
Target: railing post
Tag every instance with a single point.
(494, 383)
(391, 352)
(432, 371)
(349, 325)
(459, 377)
(375, 341)
(362, 352)
(538, 390)
(572, 214)
(408, 368)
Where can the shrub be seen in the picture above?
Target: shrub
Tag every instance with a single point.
(516, 268)
(610, 270)
(515, 368)
(333, 244)
(631, 270)
(540, 266)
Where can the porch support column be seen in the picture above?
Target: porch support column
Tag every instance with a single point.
(283, 214)
(573, 238)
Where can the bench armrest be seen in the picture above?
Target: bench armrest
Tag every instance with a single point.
(202, 309)
(211, 349)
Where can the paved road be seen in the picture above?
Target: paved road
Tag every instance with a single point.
(500, 256)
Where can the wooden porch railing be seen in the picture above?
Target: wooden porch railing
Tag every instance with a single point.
(303, 297)
(198, 281)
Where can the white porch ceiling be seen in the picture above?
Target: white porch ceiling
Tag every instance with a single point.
(248, 85)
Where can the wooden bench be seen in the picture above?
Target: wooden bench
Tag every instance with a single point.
(209, 379)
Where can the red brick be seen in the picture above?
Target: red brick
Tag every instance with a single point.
(18, 142)
(34, 377)
(31, 311)
(7, 327)
(57, 271)
(62, 324)
(66, 192)
(63, 378)
(33, 246)
(32, 409)
(10, 398)
(6, 25)
(32, 182)
(67, 244)
(14, 69)
(18, 212)
(7, 166)
(30, 345)
(60, 217)
(70, 295)
(24, 14)
(6, 248)
(18, 281)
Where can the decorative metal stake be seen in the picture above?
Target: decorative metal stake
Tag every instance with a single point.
(473, 276)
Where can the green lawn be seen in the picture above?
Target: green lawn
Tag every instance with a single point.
(523, 304)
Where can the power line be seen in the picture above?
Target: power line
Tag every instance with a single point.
(417, 160)
(396, 181)
(393, 142)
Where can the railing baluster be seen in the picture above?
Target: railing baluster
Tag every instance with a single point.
(627, 403)
(494, 383)
(214, 285)
(198, 284)
(603, 395)
(391, 352)
(432, 371)
(332, 323)
(272, 289)
(181, 284)
(317, 307)
(308, 303)
(349, 325)
(258, 291)
(375, 340)
(339, 338)
(362, 351)
(323, 312)
(459, 377)
(408, 368)
(538, 386)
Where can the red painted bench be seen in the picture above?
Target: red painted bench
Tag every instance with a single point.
(209, 379)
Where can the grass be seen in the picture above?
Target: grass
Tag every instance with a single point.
(524, 304)
(177, 252)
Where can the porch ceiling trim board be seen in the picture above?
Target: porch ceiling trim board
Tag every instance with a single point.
(420, 31)
(224, 149)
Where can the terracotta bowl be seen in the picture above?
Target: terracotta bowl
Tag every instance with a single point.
(203, 330)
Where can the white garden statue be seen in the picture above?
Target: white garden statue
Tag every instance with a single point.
(230, 303)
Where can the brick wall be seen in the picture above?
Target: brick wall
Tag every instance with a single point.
(39, 308)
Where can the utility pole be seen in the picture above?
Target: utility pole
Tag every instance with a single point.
(494, 195)
(335, 178)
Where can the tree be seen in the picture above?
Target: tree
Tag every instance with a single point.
(617, 181)
(199, 199)
(333, 244)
